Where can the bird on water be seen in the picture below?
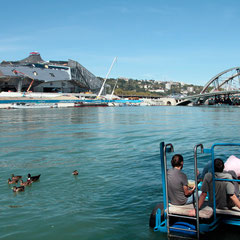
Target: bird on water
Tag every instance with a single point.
(27, 183)
(75, 172)
(33, 178)
(12, 181)
(16, 177)
(18, 189)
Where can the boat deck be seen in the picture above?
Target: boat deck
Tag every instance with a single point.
(206, 212)
(235, 211)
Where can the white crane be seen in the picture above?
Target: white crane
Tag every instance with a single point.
(113, 90)
(100, 92)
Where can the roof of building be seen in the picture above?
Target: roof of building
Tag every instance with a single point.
(34, 57)
(34, 67)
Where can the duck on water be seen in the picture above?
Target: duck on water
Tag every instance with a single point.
(18, 189)
(33, 178)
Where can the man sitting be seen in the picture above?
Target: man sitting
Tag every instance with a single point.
(224, 190)
(232, 165)
(178, 190)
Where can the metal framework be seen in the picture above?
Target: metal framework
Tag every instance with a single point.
(223, 84)
(224, 81)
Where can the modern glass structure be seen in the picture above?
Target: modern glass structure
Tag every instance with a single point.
(35, 74)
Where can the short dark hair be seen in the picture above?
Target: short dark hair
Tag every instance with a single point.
(177, 159)
(218, 165)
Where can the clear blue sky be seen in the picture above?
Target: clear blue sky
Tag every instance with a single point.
(185, 41)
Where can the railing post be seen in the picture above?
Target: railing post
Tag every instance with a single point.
(163, 173)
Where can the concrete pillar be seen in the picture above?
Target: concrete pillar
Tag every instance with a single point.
(19, 87)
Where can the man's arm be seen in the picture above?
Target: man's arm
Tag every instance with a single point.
(235, 200)
(188, 192)
(202, 199)
(200, 203)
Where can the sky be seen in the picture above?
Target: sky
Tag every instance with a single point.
(186, 41)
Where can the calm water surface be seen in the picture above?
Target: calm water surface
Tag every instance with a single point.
(115, 150)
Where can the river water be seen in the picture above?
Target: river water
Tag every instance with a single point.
(115, 150)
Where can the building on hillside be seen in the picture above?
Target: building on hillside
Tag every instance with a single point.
(190, 89)
(168, 86)
(35, 74)
(124, 79)
(157, 90)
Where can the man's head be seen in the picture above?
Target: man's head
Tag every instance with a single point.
(177, 161)
(218, 165)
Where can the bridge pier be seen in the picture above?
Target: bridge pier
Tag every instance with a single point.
(227, 97)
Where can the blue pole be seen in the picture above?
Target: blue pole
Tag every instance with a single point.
(213, 183)
(163, 174)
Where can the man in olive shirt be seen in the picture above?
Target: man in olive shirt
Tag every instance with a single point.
(178, 190)
(224, 191)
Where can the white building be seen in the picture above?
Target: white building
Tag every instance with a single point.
(168, 85)
(157, 90)
(190, 89)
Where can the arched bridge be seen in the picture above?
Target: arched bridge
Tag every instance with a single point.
(218, 88)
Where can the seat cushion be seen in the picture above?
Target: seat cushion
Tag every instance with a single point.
(206, 212)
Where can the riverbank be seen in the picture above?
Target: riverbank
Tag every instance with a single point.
(68, 100)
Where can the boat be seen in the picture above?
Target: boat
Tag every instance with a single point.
(90, 104)
(174, 219)
(24, 105)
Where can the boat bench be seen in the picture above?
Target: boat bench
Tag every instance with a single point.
(235, 211)
(205, 213)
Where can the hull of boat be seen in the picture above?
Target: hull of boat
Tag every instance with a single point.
(90, 104)
(33, 106)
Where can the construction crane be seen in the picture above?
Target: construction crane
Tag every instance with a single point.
(100, 92)
(24, 74)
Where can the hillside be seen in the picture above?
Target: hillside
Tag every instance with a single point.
(149, 88)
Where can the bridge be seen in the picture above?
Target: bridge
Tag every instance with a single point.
(223, 86)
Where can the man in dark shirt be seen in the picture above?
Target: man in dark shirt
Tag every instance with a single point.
(224, 191)
(178, 190)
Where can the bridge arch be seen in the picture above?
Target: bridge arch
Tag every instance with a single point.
(226, 80)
